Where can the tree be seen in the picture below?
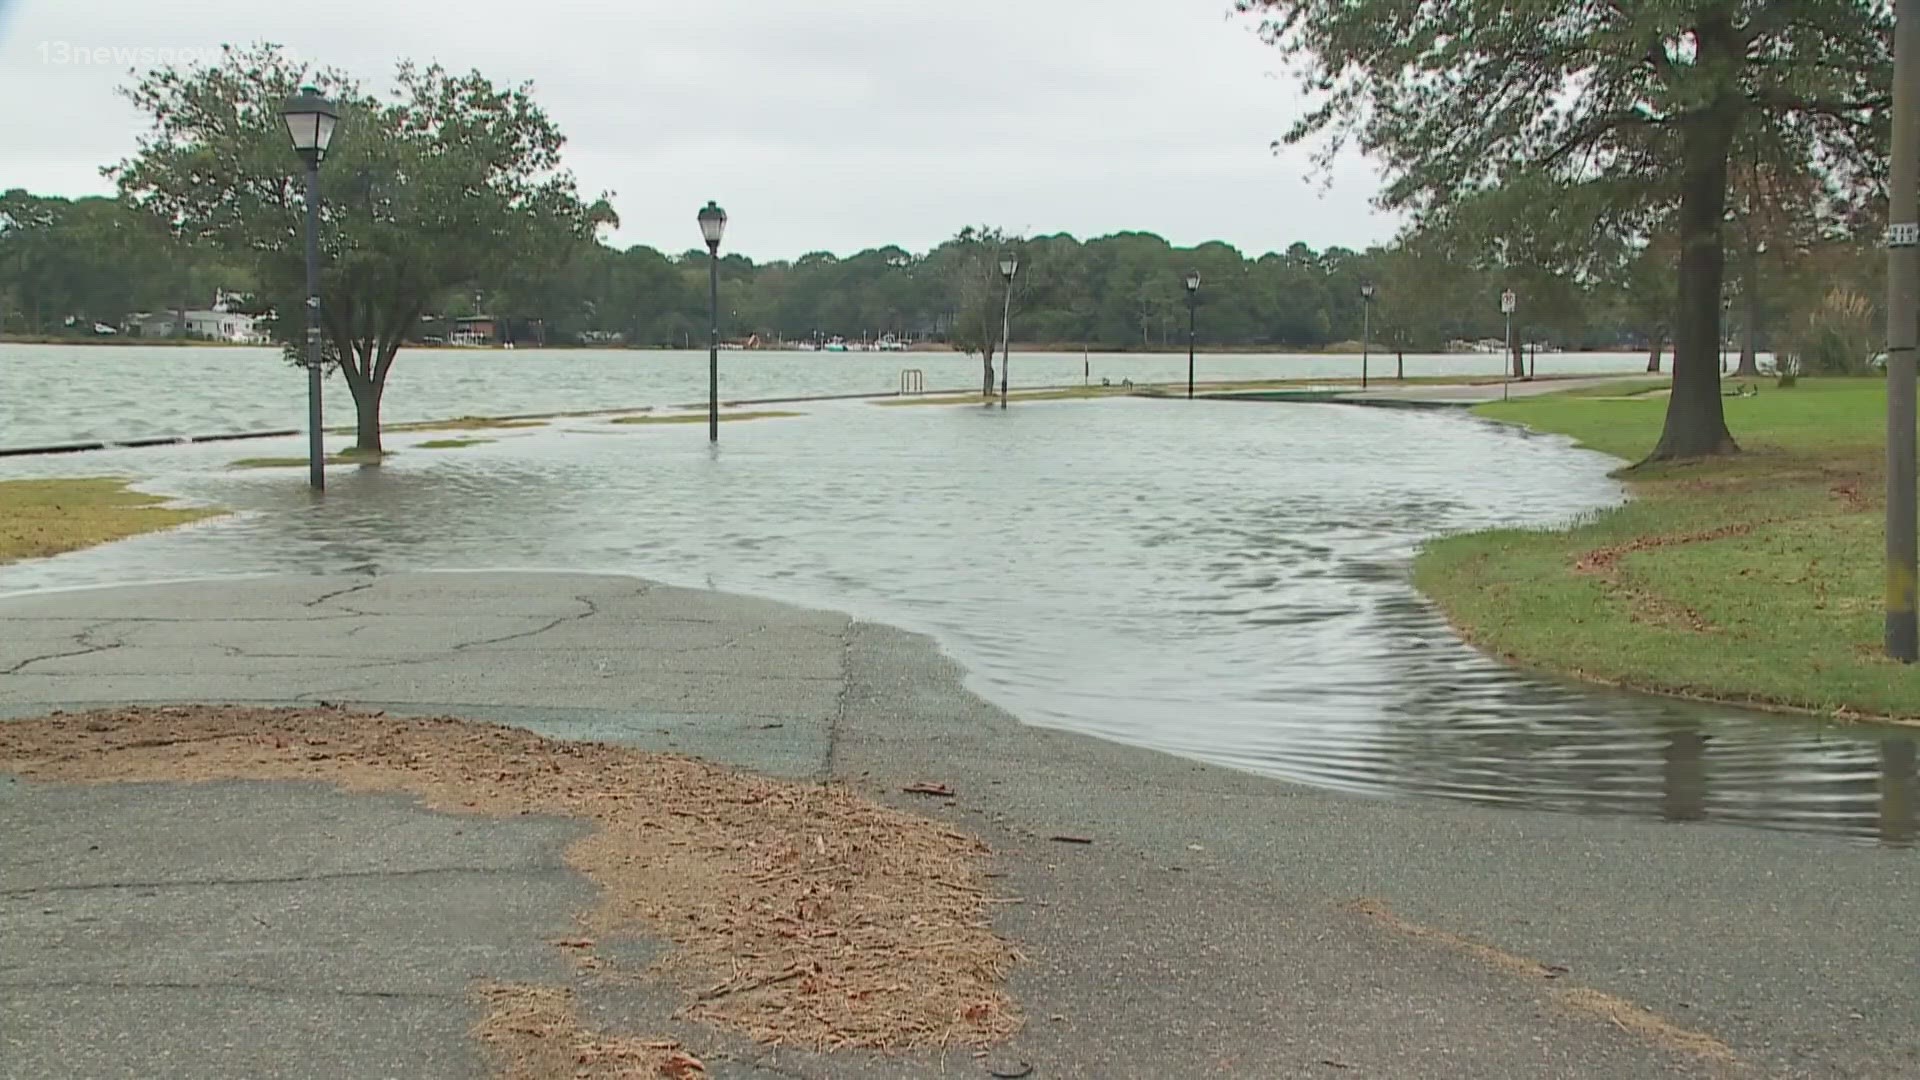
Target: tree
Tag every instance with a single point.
(445, 184)
(1597, 113)
(1778, 210)
(979, 294)
(68, 264)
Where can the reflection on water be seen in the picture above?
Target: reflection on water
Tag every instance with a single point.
(1899, 791)
(1216, 580)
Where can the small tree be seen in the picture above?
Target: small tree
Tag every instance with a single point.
(1840, 336)
(971, 265)
(442, 185)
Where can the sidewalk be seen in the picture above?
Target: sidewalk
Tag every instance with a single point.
(1217, 923)
(1388, 393)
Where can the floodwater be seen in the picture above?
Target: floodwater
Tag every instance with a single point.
(74, 393)
(1220, 580)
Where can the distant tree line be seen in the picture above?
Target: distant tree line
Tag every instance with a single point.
(68, 264)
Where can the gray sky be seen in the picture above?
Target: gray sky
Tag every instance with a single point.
(818, 125)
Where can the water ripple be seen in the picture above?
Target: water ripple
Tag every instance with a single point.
(1218, 580)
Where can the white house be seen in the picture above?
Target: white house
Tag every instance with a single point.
(223, 326)
(216, 323)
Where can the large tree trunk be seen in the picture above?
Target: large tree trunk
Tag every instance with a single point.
(1695, 425)
(366, 410)
(1519, 356)
(1658, 346)
(986, 370)
(365, 364)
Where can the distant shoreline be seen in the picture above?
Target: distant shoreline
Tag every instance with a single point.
(1054, 347)
(115, 339)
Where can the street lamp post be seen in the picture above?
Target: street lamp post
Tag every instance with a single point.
(1727, 312)
(1366, 329)
(713, 223)
(1508, 301)
(310, 121)
(1193, 302)
(1009, 265)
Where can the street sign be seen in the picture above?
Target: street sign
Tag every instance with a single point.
(1508, 301)
(1903, 234)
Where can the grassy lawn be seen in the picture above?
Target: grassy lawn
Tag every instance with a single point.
(46, 517)
(1756, 579)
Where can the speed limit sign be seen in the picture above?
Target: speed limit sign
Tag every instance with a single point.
(1508, 301)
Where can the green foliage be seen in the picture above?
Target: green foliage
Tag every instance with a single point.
(445, 183)
(1559, 135)
(1570, 114)
(66, 264)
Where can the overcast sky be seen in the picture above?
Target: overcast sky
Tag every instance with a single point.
(817, 124)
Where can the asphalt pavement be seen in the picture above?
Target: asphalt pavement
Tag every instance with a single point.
(1213, 923)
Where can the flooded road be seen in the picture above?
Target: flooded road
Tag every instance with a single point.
(1224, 581)
(75, 393)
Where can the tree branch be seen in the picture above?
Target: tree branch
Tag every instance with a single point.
(1845, 110)
(1586, 133)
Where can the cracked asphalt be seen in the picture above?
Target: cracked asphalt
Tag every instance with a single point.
(1208, 928)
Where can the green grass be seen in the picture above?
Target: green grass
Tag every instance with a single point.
(701, 418)
(449, 444)
(46, 517)
(1754, 578)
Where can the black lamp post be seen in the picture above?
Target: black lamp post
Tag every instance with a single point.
(1366, 329)
(1193, 302)
(713, 223)
(310, 121)
(1726, 315)
(1009, 265)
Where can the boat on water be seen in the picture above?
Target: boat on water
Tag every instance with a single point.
(837, 344)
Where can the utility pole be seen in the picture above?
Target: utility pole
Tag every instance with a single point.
(1903, 307)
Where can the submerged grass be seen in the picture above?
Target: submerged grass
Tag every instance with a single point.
(1755, 578)
(701, 418)
(1064, 393)
(449, 444)
(46, 517)
(349, 456)
(468, 423)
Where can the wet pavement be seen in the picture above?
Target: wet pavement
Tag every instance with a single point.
(1223, 581)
